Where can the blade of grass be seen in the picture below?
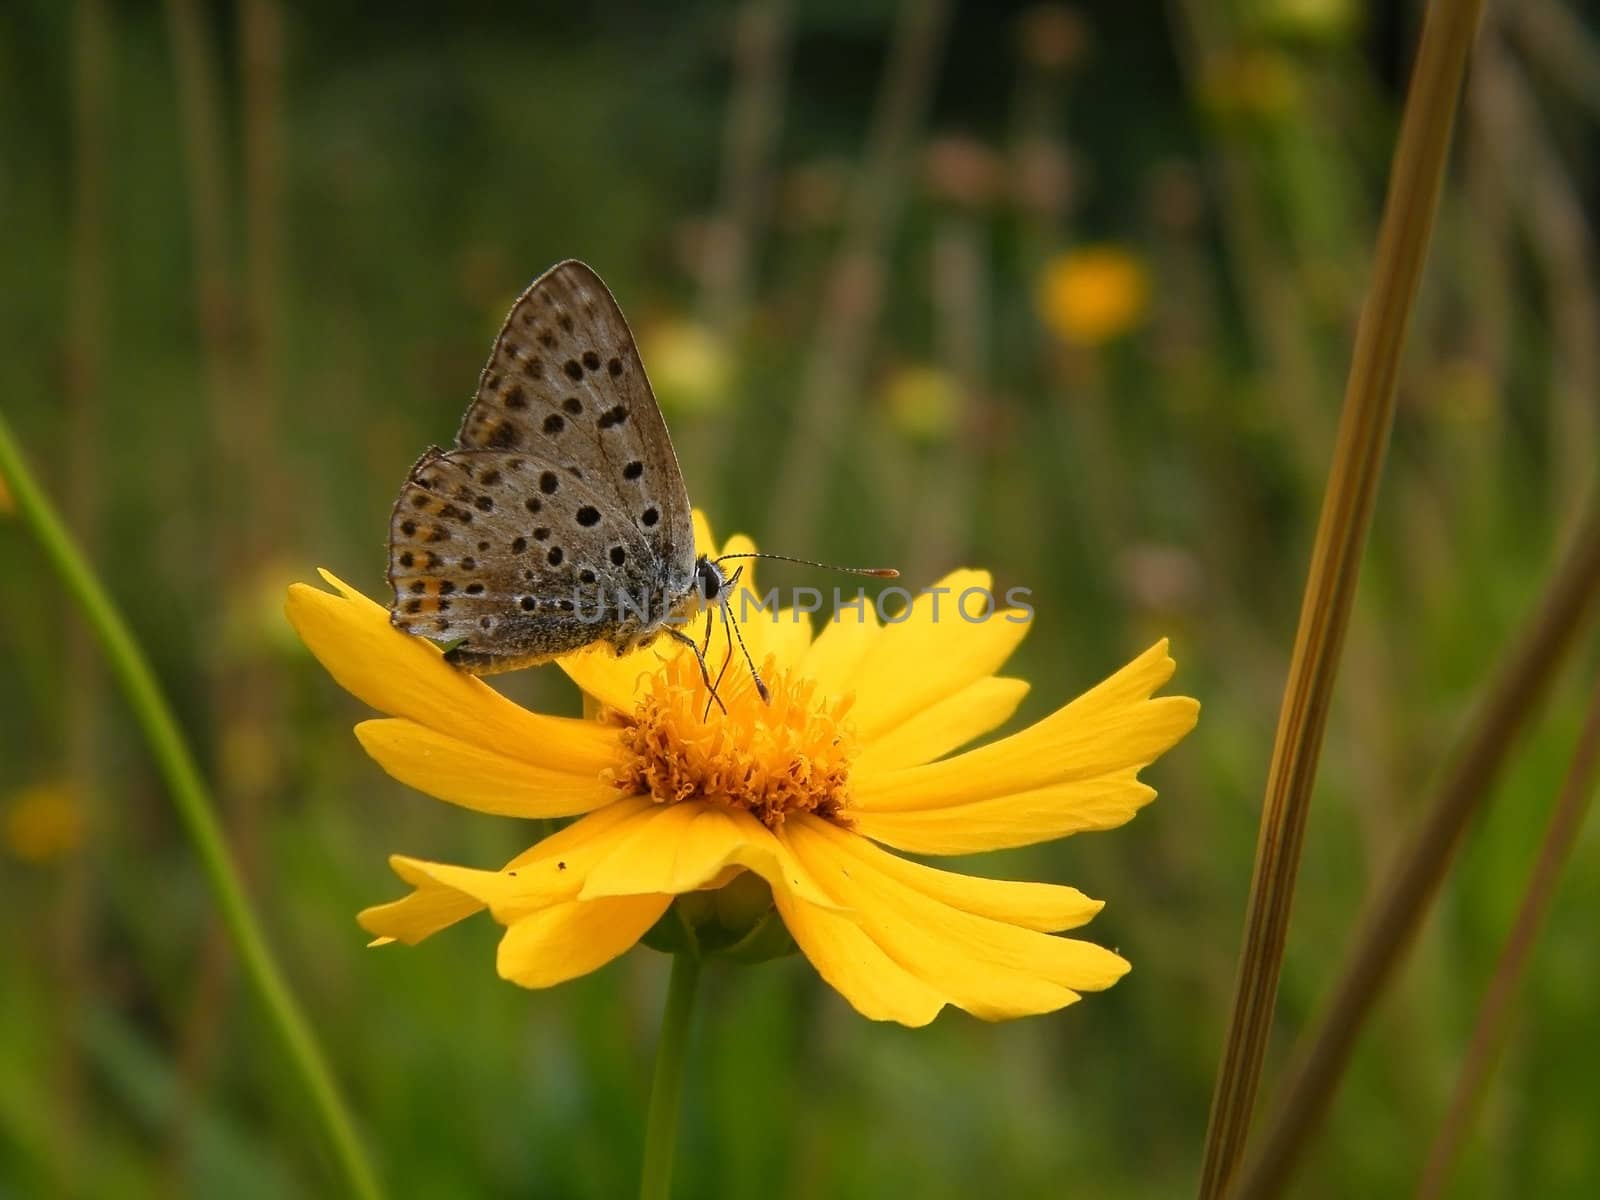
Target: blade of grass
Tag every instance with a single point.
(1404, 898)
(1489, 1031)
(195, 809)
(1363, 437)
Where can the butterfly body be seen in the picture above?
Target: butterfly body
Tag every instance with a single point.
(560, 518)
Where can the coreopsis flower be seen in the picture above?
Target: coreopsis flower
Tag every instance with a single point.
(1091, 295)
(793, 806)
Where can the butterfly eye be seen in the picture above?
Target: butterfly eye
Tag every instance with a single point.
(710, 579)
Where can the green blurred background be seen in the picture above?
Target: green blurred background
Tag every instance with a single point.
(1063, 291)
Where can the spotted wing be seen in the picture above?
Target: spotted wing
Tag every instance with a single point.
(565, 375)
(515, 558)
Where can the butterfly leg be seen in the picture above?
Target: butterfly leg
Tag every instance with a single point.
(705, 649)
(705, 673)
(727, 630)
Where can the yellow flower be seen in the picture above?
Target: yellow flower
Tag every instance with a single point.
(804, 792)
(43, 823)
(1094, 294)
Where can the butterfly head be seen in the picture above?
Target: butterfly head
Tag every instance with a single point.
(711, 581)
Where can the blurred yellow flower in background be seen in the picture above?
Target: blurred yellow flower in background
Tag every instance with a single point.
(43, 823)
(1093, 294)
(923, 402)
(7, 505)
(803, 792)
(689, 365)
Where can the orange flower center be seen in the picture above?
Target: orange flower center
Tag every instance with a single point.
(792, 755)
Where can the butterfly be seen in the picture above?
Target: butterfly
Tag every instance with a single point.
(560, 519)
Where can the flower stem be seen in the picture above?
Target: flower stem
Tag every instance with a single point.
(661, 1129)
(196, 810)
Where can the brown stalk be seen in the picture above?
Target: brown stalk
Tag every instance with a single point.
(1272, 305)
(853, 293)
(1555, 219)
(195, 66)
(760, 61)
(1364, 426)
(945, 492)
(1516, 142)
(1566, 51)
(1489, 1031)
(755, 109)
(84, 359)
(1404, 898)
(1485, 285)
(261, 81)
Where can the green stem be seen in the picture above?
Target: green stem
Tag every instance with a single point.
(195, 809)
(661, 1130)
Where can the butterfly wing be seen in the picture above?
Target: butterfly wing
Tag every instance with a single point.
(517, 559)
(565, 381)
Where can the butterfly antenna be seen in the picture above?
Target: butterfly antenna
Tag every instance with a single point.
(875, 572)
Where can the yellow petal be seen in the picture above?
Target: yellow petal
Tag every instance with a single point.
(433, 904)
(1001, 822)
(551, 872)
(776, 638)
(704, 543)
(407, 676)
(876, 986)
(840, 646)
(616, 680)
(428, 909)
(476, 778)
(686, 846)
(946, 725)
(571, 939)
(1046, 907)
(931, 653)
(1099, 735)
(994, 970)
(537, 877)
(740, 543)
